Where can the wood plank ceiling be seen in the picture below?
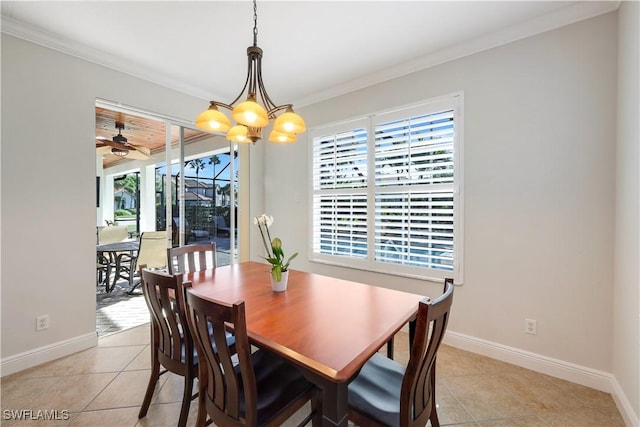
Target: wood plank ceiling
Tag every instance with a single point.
(139, 131)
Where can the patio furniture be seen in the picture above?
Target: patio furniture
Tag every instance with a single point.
(152, 253)
(123, 256)
(106, 261)
(221, 226)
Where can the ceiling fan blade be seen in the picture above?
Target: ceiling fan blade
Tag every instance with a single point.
(106, 142)
(144, 150)
(103, 149)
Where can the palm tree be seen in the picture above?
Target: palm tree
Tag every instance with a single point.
(197, 165)
(214, 160)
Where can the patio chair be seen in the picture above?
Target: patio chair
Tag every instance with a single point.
(221, 226)
(152, 253)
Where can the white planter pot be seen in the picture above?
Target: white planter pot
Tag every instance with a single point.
(282, 284)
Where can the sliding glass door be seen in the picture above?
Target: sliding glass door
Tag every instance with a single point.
(185, 181)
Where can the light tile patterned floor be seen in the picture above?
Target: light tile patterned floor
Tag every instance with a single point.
(104, 386)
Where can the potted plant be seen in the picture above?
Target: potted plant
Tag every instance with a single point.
(275, 254)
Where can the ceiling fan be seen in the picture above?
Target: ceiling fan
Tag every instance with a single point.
(120, 147)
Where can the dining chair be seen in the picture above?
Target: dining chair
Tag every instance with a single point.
(261, 389)
(385, 393)
(152, 252)
(171, 342)
(190, 258)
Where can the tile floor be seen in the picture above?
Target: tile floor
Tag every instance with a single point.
(104, 386)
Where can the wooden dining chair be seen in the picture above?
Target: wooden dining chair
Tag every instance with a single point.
(386, 394)
(190, 258)
(171, 342)
(262, 389)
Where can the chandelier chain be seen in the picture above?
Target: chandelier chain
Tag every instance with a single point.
(250, 116)
(255, 23)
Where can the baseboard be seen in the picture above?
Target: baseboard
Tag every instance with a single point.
(29, 359)
(593, 378)
(624, 406)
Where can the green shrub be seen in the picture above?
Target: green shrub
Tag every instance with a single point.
(120, 213)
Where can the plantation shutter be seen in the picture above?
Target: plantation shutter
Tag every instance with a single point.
(340, 198)
(386, 191)
(414, 187)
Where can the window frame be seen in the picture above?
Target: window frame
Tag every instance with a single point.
(369, 121)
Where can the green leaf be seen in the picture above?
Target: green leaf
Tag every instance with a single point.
(286, 265)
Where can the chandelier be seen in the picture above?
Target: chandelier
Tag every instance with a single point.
(250, 116)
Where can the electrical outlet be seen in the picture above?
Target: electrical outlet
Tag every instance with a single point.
(42, 322)
(530, 326)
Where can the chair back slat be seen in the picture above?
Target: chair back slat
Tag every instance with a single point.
(418, 383)
(165, 299)
(225, 390)
(191, 258)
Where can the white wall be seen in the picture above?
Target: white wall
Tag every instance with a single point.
(539, 188)
(626, 308)
(48, 193)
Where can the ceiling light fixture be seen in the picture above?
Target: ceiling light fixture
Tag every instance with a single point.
(120, 152)
(250, 116)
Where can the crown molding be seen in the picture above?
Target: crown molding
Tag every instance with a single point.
(568, 15)
(573, 13)
(32, 34)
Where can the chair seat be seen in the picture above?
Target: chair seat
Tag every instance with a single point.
(278, 383)
(376, 390)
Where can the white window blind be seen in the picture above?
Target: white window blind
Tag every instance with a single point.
(403, 218)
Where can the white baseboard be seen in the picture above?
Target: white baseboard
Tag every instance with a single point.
(583, 375)
(29, 359)
(624, 406)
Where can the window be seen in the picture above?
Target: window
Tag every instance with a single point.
(386, 191)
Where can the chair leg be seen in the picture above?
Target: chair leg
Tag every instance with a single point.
(390, 348)
(316, 408)
(433, 417)
(153, 381)
(155, 371)
(202, 410)
(186, 399)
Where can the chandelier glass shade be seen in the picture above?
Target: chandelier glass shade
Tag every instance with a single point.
(282, 137)
(256, 111)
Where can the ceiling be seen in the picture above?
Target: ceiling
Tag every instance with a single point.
(313, 50)
(139, 131)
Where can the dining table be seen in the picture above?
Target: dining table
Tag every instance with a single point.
(327, 327)
(114, 254)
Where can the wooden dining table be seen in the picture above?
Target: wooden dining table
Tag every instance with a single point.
(326, 326)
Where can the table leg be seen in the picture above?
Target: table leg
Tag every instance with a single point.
(335, 403)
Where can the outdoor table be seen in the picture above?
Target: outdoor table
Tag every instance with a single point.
(114, 253)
